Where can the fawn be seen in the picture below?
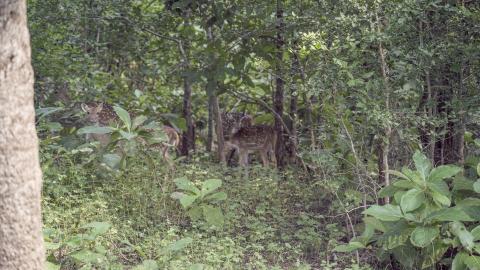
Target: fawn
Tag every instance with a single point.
(103, 115)
(261, 138)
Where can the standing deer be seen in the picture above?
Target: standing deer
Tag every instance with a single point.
(103, 115)
(261, 138)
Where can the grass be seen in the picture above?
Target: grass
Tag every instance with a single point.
(273, 220)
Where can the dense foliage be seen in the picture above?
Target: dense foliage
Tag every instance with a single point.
(357, 91)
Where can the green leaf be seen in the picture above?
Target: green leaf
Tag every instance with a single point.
(87, 256)
(478, 165)
(386, 212)
(399, 174)
(185, 184)
(412, 200)
(387, 191)
(440, 187)
(147, 265)
(195, 213)
(444, 171)
(213, 215)
(180, 244)
(404, 184)
(440, 199)
(473, 262)
(124, 116)
(98, 228)
(186, 200)
(476, 186)
(458, 262)
(52, 266)
(95, 130)
(352, 246)
(449, 214)
(127, 135)
(375, 223)
(476, 233)
(423, 236)
(219, 196)
(210, 185)
(465, 237)
(422, 163)
(139, 120)
(461, 183)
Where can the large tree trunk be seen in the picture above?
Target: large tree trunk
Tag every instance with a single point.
(279, 83)
(188, 137)
(219, 130)
(21, 243)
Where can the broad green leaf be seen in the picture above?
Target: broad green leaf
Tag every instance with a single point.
(476, 233)
(52, 266)
(352, 246)
(478, 168)
(95, 130)
(375, 223)
(87, 256)
(387, 191)
(412, 200)
(433, 253)
(219, 196)
(404, 184)
(399, 174)
(444, 171)
(180, 244)
(468, 202)
(98, 228)
(440, 187)
(465, 237)
(185, 184)
(127, 135)
(422, 163)
(414, 176)
(449, 214)
(458, 262)
(195, 213)
(139, 120)
(210, 185)
(398, 196)
(406, 255)
(423, 236)
(187, 200)
(386, 212)
(213, 215)
(124, 116)
(476, 186)
(473, 262)
(440, 198)
(147, 265)
(461, 183)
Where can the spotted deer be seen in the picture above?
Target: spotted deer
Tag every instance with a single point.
(261, 138)
(103, 115)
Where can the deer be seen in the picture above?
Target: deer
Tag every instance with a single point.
(249, 137)
(103, 115)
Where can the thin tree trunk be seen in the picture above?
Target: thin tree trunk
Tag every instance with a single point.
(383, 165)
(189, 135)
(219, 129)
(210, 89)
(278, 96)
(21, 240)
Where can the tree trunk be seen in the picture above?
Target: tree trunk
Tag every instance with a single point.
(188, 137)
(278, 96)
(210, 89)
(219, 130)
(21, 241)
(210, 124)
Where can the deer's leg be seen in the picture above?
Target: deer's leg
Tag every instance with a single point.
(243, 158)
(264, 156)
(165, 152)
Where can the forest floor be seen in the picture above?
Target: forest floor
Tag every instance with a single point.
(99, 219)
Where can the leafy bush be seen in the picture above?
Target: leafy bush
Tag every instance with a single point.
(426, 218)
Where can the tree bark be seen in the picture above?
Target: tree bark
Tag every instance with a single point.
(279, 85)
(21, 241)
(219, 130)
(293, 138)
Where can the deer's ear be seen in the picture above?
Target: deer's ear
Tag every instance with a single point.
(85, 107)
(100, 107)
